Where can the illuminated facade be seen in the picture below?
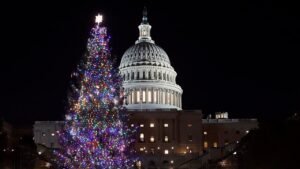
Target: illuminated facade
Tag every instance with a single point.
(149, 78)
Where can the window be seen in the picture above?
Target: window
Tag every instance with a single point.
(44, 134)
(205, 132)
(190, 138)
(52, 134)
(144, 33)
(151, 125)
(132, 97)
(166, 125)
(189, 125)
(144, 96)
(164, 97)
(205, 144)
(166, 151)
(141, 125)
(132, 125)
(166, 139)
(142, 137)
(138, 96)
(139, 164)
(215, 145)
(154, 96)
(152, 139)
(149, 96)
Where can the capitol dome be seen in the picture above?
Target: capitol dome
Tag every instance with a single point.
(145, 53)
(149, 78)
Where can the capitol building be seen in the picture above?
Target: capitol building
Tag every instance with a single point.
(149, 78)
(169, 137)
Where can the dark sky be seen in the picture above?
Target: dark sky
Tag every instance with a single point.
(235, 56)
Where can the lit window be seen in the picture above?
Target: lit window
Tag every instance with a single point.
(164, 97)
(152, 139)
(166, 139)
(52, 134)
(172, 148)
(189, 125)
(205, 144)
(144, 32)
(141, 125)
(172, 161)
(154, 96)
(138, 96)
(187, 147)
(132, 98)
(166, 125)
(44, 134)
(151, 125)
(132, 125)
(142, 137)
(205, 132)
(215, 144)
(144, 96)
(247, 131)
(190, 138)
(48, 165)
(166, 152)
(139, 164)
(158, 148)
(149, 96)
(141, 149)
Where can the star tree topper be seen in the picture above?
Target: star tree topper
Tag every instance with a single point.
(99, 19)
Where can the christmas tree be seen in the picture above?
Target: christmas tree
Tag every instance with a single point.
(96, 134)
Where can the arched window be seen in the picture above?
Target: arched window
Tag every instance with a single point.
(144, 75)
(138, 75)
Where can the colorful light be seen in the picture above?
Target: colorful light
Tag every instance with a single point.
(96, 132)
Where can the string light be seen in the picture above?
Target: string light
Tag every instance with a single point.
(96, 132)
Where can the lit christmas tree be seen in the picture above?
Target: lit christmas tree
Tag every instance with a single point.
(96, 134)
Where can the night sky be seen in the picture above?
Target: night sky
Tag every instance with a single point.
(235, 56)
